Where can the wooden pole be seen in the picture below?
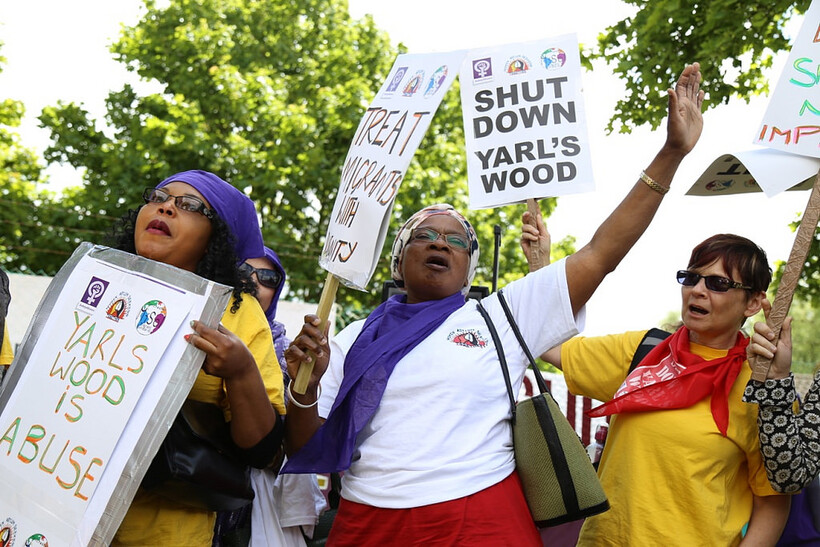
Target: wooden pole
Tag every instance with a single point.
(791, 275)
(300, 384)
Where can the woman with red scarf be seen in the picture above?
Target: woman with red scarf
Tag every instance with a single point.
(682, 463)
(412, 404)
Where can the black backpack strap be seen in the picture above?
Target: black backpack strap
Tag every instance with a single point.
(652, 338)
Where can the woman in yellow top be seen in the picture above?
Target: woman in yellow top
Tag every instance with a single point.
(197, 222)
(682, 463)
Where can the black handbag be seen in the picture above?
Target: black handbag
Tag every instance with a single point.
(560, 484)
(197, 464)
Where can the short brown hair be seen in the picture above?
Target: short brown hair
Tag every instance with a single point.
(736, 253)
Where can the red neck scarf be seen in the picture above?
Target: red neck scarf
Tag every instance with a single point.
(671, 376)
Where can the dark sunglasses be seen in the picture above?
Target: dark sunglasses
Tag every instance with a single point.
(267, 277)
(191, 204)
(455, 241)
(714, 283)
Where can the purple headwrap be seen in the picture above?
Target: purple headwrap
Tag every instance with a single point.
(232, 206)
(270, 313)
(277, 329)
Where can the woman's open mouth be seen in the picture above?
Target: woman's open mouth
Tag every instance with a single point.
(437, 262)
(158, 226)
(697, 310)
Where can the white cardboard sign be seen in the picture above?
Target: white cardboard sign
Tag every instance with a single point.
(89, 361)
(387, 137)
(792, 119)
(764, 169)
(525, 122)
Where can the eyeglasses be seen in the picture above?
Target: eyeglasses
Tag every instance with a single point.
(267, 277)
(191, 204)
(714, 283)
(455, 241)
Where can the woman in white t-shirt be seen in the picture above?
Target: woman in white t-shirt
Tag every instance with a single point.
(413, 405)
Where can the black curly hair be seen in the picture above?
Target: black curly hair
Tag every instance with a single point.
(219, 263)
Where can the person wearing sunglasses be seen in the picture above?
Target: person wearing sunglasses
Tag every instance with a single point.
(197, 222)
(410, 403)
(682, 462)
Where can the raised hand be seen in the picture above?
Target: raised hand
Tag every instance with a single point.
(685, 122)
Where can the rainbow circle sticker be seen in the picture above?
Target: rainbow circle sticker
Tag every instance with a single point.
(553, 58)
(151, 317)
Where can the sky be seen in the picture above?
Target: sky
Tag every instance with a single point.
(59, 50)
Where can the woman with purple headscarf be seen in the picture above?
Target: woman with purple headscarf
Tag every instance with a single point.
(412, 404)
(196, 221)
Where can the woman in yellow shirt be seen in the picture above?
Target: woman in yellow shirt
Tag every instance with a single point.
(682, 463)
(197, 222)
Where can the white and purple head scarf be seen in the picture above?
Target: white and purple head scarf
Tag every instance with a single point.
(406, 231)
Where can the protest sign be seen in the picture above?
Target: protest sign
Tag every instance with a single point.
(384, 143)
(525, 122)
(99, 377)
(764, 169)
(792, 119)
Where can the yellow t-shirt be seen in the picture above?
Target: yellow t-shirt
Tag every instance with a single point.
(670, 476)
(6, 353)
(153, 520)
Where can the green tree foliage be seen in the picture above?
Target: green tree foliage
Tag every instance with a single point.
(806, 344)
(808, 287)
(266, 94)
(733, 41)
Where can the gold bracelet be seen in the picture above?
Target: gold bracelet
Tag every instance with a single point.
(652, 184)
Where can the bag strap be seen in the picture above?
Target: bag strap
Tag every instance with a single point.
(652, 338)
(501, 359)
(539, 380)
(542, 385)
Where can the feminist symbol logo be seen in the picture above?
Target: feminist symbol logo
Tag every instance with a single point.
(397, 78)
(96, 288)
(482, 68)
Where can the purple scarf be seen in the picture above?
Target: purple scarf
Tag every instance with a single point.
(389, 333)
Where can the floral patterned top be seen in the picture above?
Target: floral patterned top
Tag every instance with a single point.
(789, 441)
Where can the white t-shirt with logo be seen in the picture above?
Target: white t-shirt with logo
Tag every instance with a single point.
(442, 429)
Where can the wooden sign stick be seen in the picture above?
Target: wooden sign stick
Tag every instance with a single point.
(325, 303)
(791, 274)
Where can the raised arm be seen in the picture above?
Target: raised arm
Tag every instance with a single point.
(619, 232)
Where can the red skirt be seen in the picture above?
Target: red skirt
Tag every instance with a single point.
(496, 516)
